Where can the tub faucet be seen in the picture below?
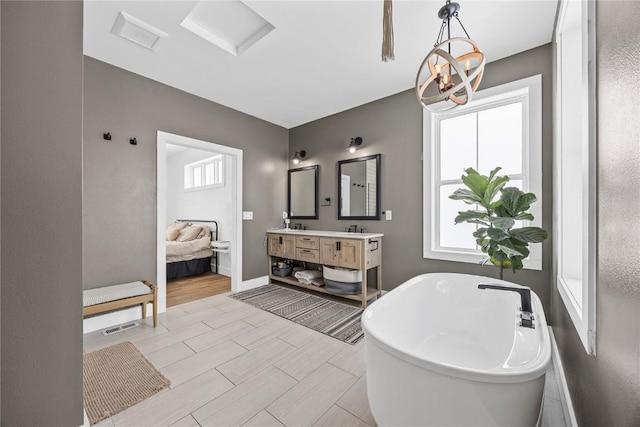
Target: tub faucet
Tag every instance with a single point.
(525, 299)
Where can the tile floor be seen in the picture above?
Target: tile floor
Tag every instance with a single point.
(231, 364)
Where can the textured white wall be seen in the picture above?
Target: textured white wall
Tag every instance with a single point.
(605, 388)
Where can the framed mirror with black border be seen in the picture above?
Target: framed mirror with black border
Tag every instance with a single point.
(302, 198)
(359, 188)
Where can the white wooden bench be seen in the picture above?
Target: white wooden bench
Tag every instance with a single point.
(100, 300)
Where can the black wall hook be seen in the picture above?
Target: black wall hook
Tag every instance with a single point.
(107, 136)
(133, 141)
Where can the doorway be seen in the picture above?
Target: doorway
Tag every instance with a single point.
(234, 230)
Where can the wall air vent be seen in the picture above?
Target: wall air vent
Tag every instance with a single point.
(121, 328)
(134, 30)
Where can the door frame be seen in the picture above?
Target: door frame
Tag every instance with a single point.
(235, 253)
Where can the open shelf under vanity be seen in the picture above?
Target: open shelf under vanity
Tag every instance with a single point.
(356, 251)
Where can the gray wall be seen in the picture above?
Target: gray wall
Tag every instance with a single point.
(119, 194)
(41, 213)
(606, 388)
(0, 220)
(393, 126)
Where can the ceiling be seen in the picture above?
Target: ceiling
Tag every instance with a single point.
(323, 57)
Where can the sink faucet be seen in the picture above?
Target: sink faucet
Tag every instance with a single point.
(525, 299)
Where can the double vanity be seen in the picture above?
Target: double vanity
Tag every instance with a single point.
(355, 251)
(345, 258)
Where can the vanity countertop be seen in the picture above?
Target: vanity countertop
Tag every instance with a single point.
(323, 233)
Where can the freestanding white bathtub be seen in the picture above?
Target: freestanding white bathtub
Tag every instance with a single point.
(441, 352)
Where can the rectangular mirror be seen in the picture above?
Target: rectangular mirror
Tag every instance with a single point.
(303, 193)
(359, 188)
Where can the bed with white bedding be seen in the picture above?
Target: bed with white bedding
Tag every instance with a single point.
(188, 246)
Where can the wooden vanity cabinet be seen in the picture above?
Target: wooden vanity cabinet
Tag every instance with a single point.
(361, 252)
(345, 253)
(282, 245)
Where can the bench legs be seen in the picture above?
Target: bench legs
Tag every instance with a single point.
(155, 312)
(154, 303)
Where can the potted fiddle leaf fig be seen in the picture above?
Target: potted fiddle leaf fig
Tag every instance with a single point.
(496, 218)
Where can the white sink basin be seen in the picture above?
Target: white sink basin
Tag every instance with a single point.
(324, 233)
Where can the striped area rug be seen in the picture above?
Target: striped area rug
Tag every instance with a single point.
(337, 320)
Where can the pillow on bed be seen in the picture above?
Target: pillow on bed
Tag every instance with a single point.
(172, 233)
(189, 233)
(173, 230)
(204, 232)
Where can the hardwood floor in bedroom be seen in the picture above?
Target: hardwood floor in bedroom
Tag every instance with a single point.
(193, 288)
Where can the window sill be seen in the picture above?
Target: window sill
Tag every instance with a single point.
(574, 309)
(204, 187)
(474, 258)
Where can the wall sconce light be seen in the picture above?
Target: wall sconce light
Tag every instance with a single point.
(299, 155)
(354, 144)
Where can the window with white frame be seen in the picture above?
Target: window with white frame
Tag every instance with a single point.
(501, 126)
(204, 174)
(574, 158)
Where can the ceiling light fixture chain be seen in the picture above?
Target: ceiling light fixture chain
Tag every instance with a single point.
(461, 26)
(461, 70)
(387, 32)
(441, 33)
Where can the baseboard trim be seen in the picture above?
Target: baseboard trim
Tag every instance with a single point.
(565, 397)
(102, 321)
(253, 283)
(224, 270)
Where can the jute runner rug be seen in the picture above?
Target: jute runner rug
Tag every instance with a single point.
(116, 378)
(338, 320)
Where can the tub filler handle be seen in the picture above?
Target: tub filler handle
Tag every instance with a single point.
(525, 298)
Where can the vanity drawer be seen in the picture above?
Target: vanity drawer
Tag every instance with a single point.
(308, 242)
(308, 255)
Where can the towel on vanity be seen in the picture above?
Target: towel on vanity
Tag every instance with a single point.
(319, 282)
(307, 276)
